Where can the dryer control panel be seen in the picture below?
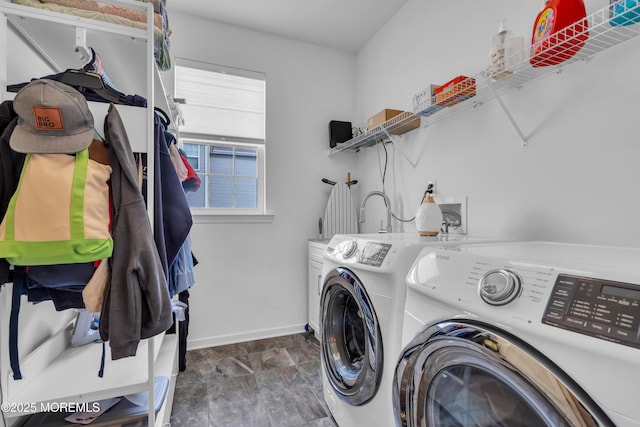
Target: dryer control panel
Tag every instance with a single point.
(369, 253)
(600, 308)
(374, 253)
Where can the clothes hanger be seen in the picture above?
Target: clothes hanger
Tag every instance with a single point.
(83, 80)
(163, 116)
(349, 183)
(92, 75)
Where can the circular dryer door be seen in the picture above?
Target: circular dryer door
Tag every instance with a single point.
(466, 373)
(351, 338)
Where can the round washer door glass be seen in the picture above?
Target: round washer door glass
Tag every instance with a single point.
(461, 396)
(462, 373)
(351, 338)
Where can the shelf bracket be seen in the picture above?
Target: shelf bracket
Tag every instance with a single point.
(82, 48)
(30, 40)
(388, 136)
(509, 116)
(413, 163)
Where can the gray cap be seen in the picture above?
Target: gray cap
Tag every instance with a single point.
(52, 118)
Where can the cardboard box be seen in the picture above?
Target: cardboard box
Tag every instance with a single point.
(424, 102)
(455, 91)
(403, 124)
(381, 117)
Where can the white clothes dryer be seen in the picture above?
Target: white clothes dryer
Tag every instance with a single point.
(361, 310)
(529, 334)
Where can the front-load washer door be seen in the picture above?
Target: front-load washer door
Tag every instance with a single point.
(462, 373)
(351, 338)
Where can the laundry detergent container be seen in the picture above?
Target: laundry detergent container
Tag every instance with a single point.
(559, 32)
(624, 12)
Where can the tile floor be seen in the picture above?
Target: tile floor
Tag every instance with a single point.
(265, 383)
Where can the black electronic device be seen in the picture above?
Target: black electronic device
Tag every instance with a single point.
(339, 132)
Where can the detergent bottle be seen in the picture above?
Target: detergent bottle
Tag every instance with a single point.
(624, 12)
(559, 32)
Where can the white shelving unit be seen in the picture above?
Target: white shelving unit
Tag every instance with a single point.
(600, 33)
(53, 371)
(378, 134)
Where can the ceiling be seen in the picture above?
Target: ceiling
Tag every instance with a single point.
(337, 24)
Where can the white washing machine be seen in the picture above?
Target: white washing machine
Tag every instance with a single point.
(361, 309)
(526, 334)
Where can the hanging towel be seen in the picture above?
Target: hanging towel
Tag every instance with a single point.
(340, 216)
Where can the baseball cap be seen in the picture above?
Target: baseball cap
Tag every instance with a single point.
(52, 118)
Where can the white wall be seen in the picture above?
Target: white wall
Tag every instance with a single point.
(576, 181)
(251, 279)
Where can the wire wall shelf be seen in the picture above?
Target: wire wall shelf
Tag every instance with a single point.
(598, 32)
(378, 134)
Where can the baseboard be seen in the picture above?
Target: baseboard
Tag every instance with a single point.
(244, 336)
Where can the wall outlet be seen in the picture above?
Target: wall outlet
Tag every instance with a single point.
(454, 214)
(434, 190)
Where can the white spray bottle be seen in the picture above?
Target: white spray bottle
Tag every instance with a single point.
(497, 58)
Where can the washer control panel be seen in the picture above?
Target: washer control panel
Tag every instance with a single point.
(600, 308)
(368, 253)
(348, 248)
(374, 253)
(500, 286)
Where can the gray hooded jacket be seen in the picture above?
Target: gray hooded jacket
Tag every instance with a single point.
(136, 301)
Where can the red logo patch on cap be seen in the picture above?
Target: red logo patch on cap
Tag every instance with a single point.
(47, 118)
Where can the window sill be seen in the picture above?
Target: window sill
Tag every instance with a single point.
(206, 216)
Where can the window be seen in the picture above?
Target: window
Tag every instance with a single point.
(193, 155)
(223, 135)
(229, 174)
